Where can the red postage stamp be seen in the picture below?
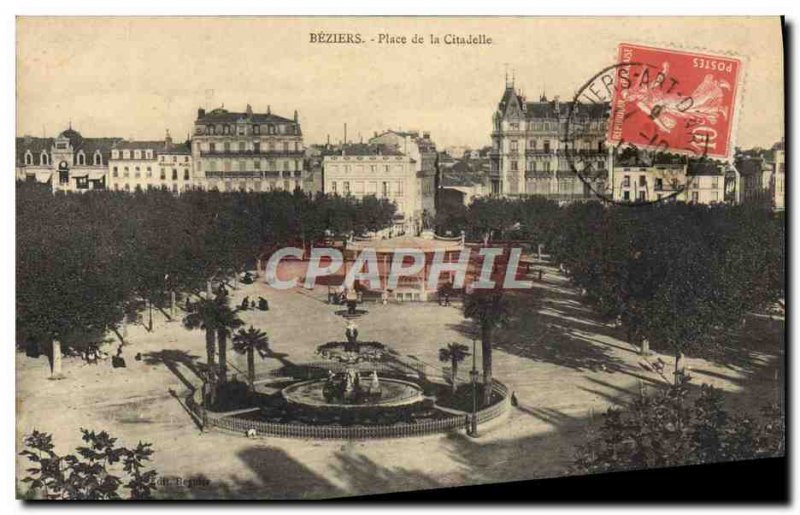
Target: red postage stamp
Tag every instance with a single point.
(675, 101)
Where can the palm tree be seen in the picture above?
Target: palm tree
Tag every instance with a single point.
(227, 322)
(203, 315)
(249, 342)
(489, 309)
(455, 354)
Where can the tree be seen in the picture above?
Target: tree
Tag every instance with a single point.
(249, 342)
(227, 322)
(670, 428)
(489, 309)
(455, 353)
(89, 475)
(215, 317)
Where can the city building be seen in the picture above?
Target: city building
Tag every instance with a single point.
(68, 162)
(362, 169)
(675, 179)
(762, 176)
(140, 165)
(529, 156)
(247, 151)
(422, 150)
(462, 181)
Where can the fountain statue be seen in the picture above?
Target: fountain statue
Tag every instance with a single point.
(351, 333)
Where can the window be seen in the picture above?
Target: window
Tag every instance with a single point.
(81, 159)
(257, 164)
(345, 187)
(642, 181)
(137, 173)
(385, 189)
(256, 147)
(163, 175)
(514, 145)
(174, 174)
(186, 175)
(242, 146)
(98, 159)
(547, 146)
(514, 166)
(256, 129)
(715, 182)
(125, 172)
(333, 186)
(642, 196)
(659, 184)
(227, 146)
(695, 196)
(28, 158)
(626, 195)
(114, 172)
(149, 172)
(532, 144)
(285, 146)
(137, 154)
(399, 188)
(626, 181)
(211, 148)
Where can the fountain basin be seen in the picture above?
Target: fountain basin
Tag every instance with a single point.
(394, 393)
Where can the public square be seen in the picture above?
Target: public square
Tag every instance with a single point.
(565, 366)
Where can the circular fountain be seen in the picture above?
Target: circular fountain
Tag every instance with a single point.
(333, 393)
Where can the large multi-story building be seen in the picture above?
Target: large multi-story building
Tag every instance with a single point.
(247, 151)
(422, 150)
(68, 162)
(529, 154)
(361, 170)
(140, 165)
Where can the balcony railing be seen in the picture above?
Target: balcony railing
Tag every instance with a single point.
(253, 174)
(251, 153)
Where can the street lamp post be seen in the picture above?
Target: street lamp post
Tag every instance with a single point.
(473, 374)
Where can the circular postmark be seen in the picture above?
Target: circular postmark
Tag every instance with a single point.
(651, 169)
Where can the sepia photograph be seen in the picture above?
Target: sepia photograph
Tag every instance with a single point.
(337, 257)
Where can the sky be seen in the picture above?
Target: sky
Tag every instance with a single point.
(136, 77)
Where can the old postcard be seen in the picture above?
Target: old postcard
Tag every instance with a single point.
(325, 257)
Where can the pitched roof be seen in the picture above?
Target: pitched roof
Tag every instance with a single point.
(139, 145)
(366, 149)
(221, 115)
(550, 109)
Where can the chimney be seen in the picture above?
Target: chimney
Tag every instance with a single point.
(295, 116)
(249, 110)
(167, 141)
(269, 110)
(201, 112)
(426, 135)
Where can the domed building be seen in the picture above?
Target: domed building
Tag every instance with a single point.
(68, 162)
